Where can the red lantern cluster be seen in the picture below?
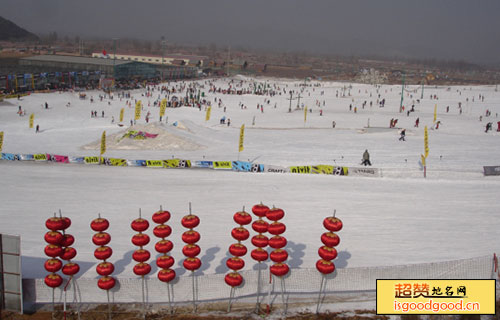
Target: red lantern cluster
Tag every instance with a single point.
(103, 252)
(238, 250)
(164, 246)
(260, 226)
(140, 239)
(277, 242)
(327, 252)
(68, 253)
(54, 250)
(190, 237)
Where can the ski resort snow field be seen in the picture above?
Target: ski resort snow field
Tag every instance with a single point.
(396, 218)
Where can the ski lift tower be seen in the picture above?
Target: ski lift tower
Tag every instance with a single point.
(163, 43)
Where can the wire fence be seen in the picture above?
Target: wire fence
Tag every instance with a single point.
(298, 281)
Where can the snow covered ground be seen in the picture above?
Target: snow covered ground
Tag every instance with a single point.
(399, 218)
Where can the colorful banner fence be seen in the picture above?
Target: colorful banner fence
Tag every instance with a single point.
(240, 166)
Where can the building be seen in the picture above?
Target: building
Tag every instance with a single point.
(63, 71)
(168, 59)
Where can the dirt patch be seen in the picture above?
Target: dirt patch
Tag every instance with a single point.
(164, 140)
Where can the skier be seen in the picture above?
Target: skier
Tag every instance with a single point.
(416, 122)
(403, 133)
(488, 126)
(366, 158)
(37, 128)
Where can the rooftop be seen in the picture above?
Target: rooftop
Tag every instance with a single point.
(75, 59)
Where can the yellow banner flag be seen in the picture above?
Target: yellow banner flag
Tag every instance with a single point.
(33, 81)
(138, 107)
(207, 115)
(242, 137)
(1, 142)
(32, 119)
(163, 107)
(305, 114)
(121, 114)
(435, 112)
(426, 142)
(103, 143)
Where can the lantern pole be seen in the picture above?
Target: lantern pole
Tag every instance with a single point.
(53, 303)
(320, 290)
(192, 277)
(109, 305)
(231, 295)
(169, 299)
(269, 292)
(143, 300)
(258, 288)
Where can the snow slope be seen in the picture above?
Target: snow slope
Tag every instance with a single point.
(399, 218)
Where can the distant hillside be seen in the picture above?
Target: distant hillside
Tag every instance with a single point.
(10, 31)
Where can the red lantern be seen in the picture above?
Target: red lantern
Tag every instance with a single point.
(54, 224)
(165, 261)
(275, 214)
(164, 246)
(260, 241)
(67, 240)
(279, 269)
(105, 268)
(240, 233)
(106, 283)
(141, 255)
(191, 236)
(53, 280)
(99, 224)
(260, 210)
(53, 237)
(190, 221)
(259, 254)
(237, 249)
(103, 253)
(242, 218)
(191, 250)
(235, 263)
(276, 228)
(140, 225)
(70, 269)
(279, 255)
(162, 231)
(332, 224)
(330, 239)
(142, 269)
(166, 275)
(68, 253)
(192, 264)
(327, 253)
(53, 251)
(101, 238)
(66, 222)
(140, 239)
(277, 242)
(260, 226)
(325, 266)
(233, 279)
(161, 217)
(53, 265)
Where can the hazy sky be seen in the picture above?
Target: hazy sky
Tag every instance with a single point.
(442, 29)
